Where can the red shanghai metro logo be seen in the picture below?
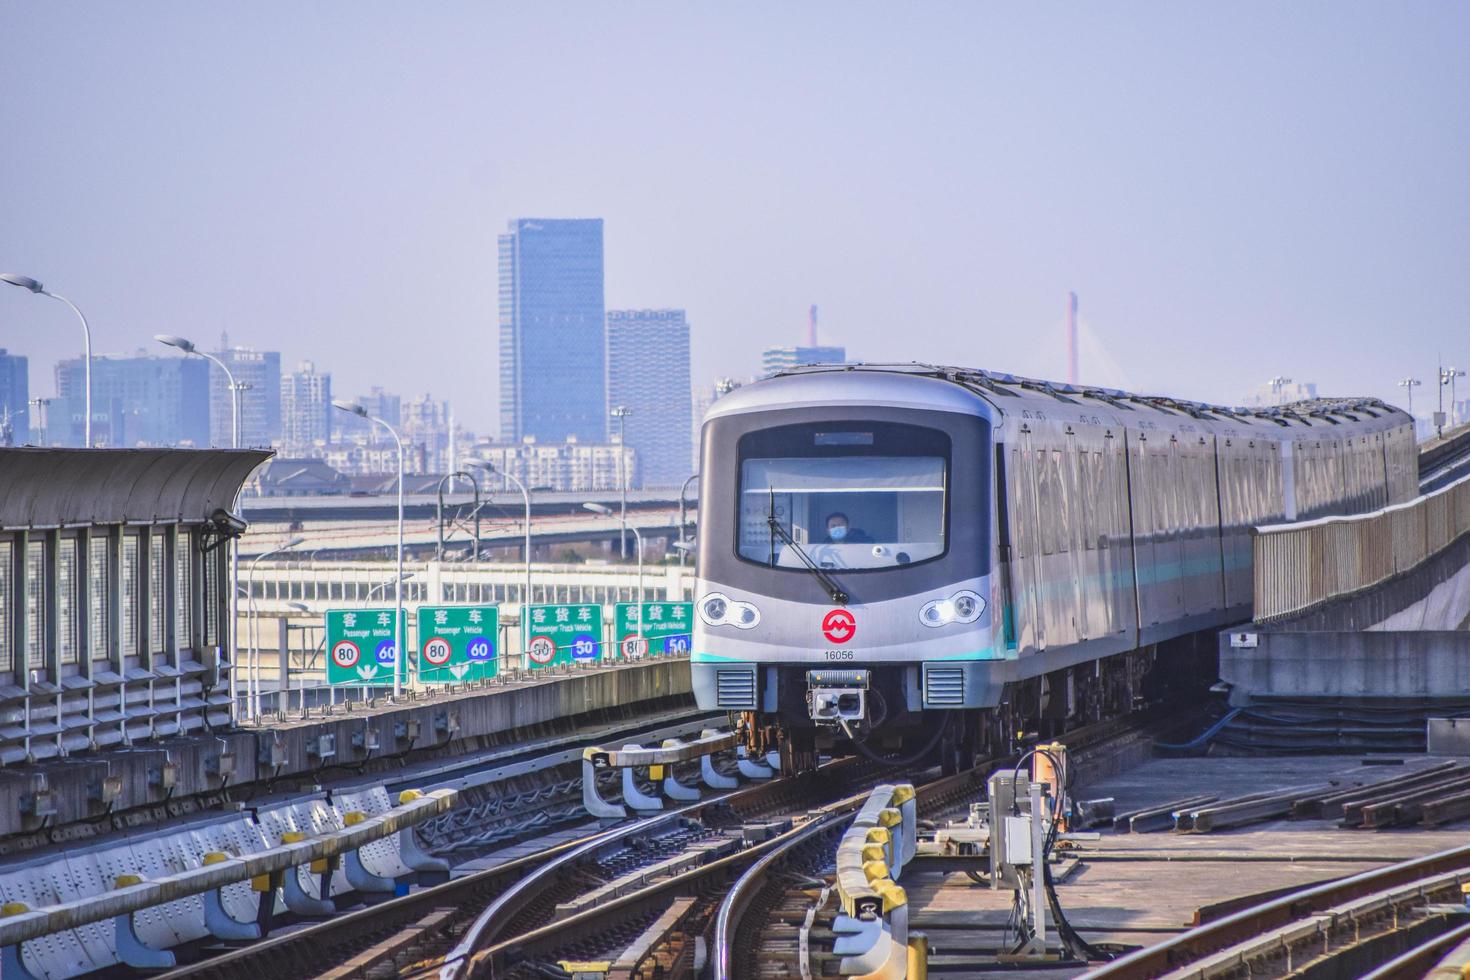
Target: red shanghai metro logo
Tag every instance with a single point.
(838, 626)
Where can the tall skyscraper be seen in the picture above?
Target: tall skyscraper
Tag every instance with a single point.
(139, 400)
(260, 401)
(552, 358)
(775, 359)
(648, 372)
(15, 396)
(306, 406)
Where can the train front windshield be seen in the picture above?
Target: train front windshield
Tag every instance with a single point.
(867, 497)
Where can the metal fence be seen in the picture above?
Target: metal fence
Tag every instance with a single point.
(1300, 566)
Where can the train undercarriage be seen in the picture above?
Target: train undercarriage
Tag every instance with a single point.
(881, 725)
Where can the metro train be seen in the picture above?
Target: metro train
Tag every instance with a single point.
(929, 559)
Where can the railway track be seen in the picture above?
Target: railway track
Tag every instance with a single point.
(663, 928)
(647, 891)
(1389, 923)
(758, 924)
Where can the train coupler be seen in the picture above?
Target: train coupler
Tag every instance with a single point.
(835, 696)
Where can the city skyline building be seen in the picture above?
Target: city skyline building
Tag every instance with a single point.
(306, 406)
(424, 421)
(774, 359)
(552, 328)
(259, 374)
(137, 400)
(15, 399)
(648, 373)
(1279, 391)
(570, 465)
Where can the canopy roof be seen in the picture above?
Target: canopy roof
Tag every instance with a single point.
(75, 487)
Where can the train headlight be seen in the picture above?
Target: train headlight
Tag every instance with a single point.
(720, 610)
(713, 609)
(962, 607)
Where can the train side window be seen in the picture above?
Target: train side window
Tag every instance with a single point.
(35, 602)
(7, 598)
(68, 601)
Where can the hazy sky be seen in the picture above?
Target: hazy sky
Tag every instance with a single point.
(1235, 190)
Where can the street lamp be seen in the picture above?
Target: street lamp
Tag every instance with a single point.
(399, 653)
(683, 525)
(621, 413)
(187, 346)
(26, 282)
(439, 512)
(1409, 384)
(252, 670)
(1447, 376)
(607, 512)
(41, 418)
(1277, 384)
(489, 468)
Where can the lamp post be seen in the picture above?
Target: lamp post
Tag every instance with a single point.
(1452, 373)
(26, 282)
(41, 417)
(621, 413)
(399, 653)
(683, 552)
(252, 670)
(489, 468)
(187, 346)
(607, 512)
(1409, 384)
(439, 512)
(1277, 384)
(1446, 377)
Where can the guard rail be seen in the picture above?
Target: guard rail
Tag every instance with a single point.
(1300, 566)
(209, 880)
(872, 927)
(659, 764)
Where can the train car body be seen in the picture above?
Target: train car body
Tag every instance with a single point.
(998, 535)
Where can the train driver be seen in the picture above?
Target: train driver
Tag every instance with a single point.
(840, 532)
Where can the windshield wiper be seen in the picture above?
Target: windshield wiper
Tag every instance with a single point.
(828, 582)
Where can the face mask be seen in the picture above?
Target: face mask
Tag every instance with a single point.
(838, 533)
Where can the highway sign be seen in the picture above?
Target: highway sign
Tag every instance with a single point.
(360, 646)
(665, 628)
(563, 634)
(458, 643)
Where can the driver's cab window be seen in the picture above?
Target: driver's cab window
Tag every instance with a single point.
(843, 499)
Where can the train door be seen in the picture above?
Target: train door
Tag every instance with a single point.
(1025, 544)
(1142, 500)
(1170, 547)
(1118, 535)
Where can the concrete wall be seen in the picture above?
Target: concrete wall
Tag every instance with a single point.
(1340, 664)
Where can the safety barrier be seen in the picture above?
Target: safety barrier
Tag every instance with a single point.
(873, 926)
(1300, 566)
(659, 762)
(128, 902)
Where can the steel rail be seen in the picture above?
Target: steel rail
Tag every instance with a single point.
(336, 939)
(1202, 941)
(482, 949)
(934, 797)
